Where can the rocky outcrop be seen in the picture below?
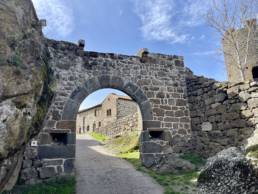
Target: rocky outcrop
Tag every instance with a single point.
(228, 172)
(23, 79)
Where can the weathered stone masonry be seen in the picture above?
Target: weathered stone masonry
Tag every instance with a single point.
(156, 83)
(222, 114)
(121, 126)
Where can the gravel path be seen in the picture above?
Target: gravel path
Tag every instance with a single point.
(98, 172)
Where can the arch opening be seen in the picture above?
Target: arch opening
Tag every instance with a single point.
(109, 112)
(94, 84)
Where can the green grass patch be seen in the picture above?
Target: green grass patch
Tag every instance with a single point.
(194, 159)
(55, 186)
(99, 137)
(123, 144)
(253, 154)
(181, 183)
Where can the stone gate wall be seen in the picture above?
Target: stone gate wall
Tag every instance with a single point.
(222, 114)
(155, 82)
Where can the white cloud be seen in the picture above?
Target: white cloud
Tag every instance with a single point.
(58, 14)
(168, 20)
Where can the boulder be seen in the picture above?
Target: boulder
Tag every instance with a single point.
(228, 172)
(23, 75)
(166, 163)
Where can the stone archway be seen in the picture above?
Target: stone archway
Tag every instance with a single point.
(155, 82)
(94, 84)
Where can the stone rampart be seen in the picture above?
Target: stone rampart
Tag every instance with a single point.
(222, 114)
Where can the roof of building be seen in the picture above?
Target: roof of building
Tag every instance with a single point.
(87, 109)
(99, 105)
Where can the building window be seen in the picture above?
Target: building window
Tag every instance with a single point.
(255, 73)
(99, 124)
(95, 113)
(109, 112)
(88, 128)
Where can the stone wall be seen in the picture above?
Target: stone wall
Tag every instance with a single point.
(125, 108)
(222, 114)
(123, 125)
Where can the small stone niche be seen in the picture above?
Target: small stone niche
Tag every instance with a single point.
(59, 138)
(156, 134)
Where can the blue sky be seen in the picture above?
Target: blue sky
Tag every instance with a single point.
(124, 26)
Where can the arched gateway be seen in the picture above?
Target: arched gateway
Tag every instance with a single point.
(156, 82)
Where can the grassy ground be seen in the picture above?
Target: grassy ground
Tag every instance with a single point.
(57, 186)
(124, 144)
(181, 183)
(99, 137)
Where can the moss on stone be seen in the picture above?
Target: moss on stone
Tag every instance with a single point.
(45, 99)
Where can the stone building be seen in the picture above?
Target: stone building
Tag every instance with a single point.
(104, 117)
(241, 45)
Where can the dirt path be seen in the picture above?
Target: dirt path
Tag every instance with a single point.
(98, 172)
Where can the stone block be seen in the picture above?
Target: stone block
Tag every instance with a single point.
(66, 125)
(26, 163)
(116, 82)
(159, 112)
(45, 138)
(104, 81)
(221, 96)
(146, 110)
(79, 94)
(71, 138)
(145, 136)
(56, 151)
(70, 110)
(50, 124)
(149, 160)
(153, 146)
(47, 172)
(151, 124)
(130, 88)
(180, 102)
(52, 162)
(140, 97)
(69, 166)
(253, 103)
(93, 84)
(28, 173)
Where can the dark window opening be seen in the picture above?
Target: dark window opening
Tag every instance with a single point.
(109, 112)
(255, 73)
(59, 138)
(99, 124)
(83, 124)
(88, 128)
(95, 113)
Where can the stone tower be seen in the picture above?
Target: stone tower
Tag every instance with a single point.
(248, 52)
